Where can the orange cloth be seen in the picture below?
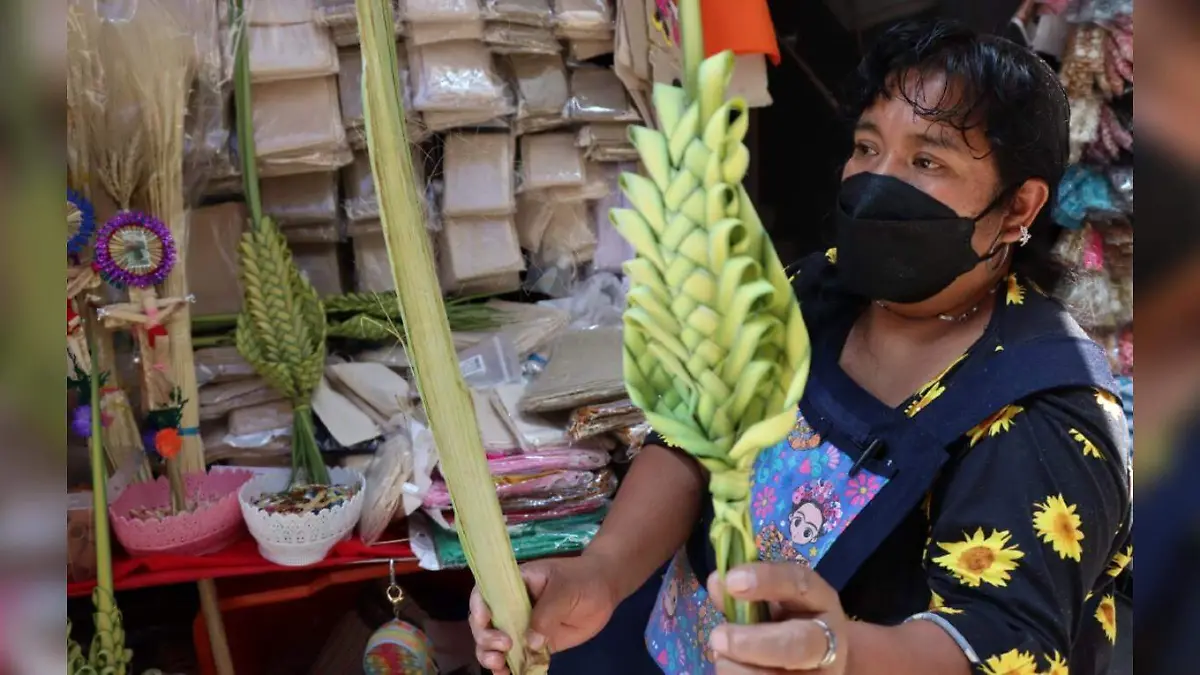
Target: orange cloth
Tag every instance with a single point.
(743, 26)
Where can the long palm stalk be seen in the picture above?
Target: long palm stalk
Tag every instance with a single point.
(447, 401)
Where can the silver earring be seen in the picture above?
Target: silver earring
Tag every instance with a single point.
(1025, 236)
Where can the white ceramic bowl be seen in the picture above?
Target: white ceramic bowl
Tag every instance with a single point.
(296, 540)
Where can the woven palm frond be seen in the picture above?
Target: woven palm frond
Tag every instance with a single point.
(716, 351)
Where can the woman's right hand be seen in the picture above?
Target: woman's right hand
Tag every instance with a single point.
(572, 601)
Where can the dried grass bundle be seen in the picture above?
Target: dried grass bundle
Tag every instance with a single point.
(159, 89)
(85, 77)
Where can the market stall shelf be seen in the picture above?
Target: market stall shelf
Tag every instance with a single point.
(240, 559)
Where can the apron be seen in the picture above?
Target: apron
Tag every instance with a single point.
(852, 468)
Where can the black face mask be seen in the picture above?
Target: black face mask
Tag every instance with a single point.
(899, 244)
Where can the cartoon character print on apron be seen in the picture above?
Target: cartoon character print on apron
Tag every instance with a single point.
(802, 499)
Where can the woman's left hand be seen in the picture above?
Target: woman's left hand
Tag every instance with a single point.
(809, 624)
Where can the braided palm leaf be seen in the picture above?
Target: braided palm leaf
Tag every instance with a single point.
(281, 332)
(716, 351)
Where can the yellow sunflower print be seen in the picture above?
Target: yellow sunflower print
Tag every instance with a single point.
(979, 559)
(1015, 293)
(1110, 404)
(1120, 561)
(1106, 614)
(1011, 663)
(932, 389)
(1089, 448)
(831, 256)
(938, 604)
(997, 424)
(1057, 523)
(1056, 665)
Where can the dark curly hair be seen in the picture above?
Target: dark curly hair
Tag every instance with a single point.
(1005, 90)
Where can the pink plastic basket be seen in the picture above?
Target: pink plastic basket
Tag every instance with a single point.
(215, 524)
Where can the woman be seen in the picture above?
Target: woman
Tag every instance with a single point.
(954, 496)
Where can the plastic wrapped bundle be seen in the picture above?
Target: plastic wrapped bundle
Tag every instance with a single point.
(529, 540)
(291, 52)
(526, 12)
(597, 95)
(281, 12)
(298, 127)
(475, 248)
(302, 199)
(436, 11)
(541, 86)
(583, 19)
(514, 38)
(478, 175)
(212, 246)
(530, 492)
(452, 76)
(550, 160)
(421, 34)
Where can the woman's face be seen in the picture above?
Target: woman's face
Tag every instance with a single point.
(806, 523)
(956, 168)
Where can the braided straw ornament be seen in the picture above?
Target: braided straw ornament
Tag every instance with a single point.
(281, 332)
(716, 351)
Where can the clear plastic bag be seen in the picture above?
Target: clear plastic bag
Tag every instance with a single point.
(372, 268)
(568, 238)
(529, 540)
(541, 85)
(602, 418)
(550, 160)
(295, 118)
(258, 425)
(291, 52)
(583, 15)
(312, 233)
(303, 199)
(422, 34)
(451, 76)
(492, 117)
(478, 175)
(490, 362)
(281, 12)
(527, 12)
(213, 237)
(474, 248)
(526, 490)
(221, 364)
(426, 11)
(511, 38)
(218, 400)
(597, 95)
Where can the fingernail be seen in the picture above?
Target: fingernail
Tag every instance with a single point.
(719, 641)
(535, 640)
(739, 581)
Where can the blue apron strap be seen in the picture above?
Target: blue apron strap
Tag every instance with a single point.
(1007, 377)
(918, 450)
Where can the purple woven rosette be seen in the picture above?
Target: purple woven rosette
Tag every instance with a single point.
(134, 249)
